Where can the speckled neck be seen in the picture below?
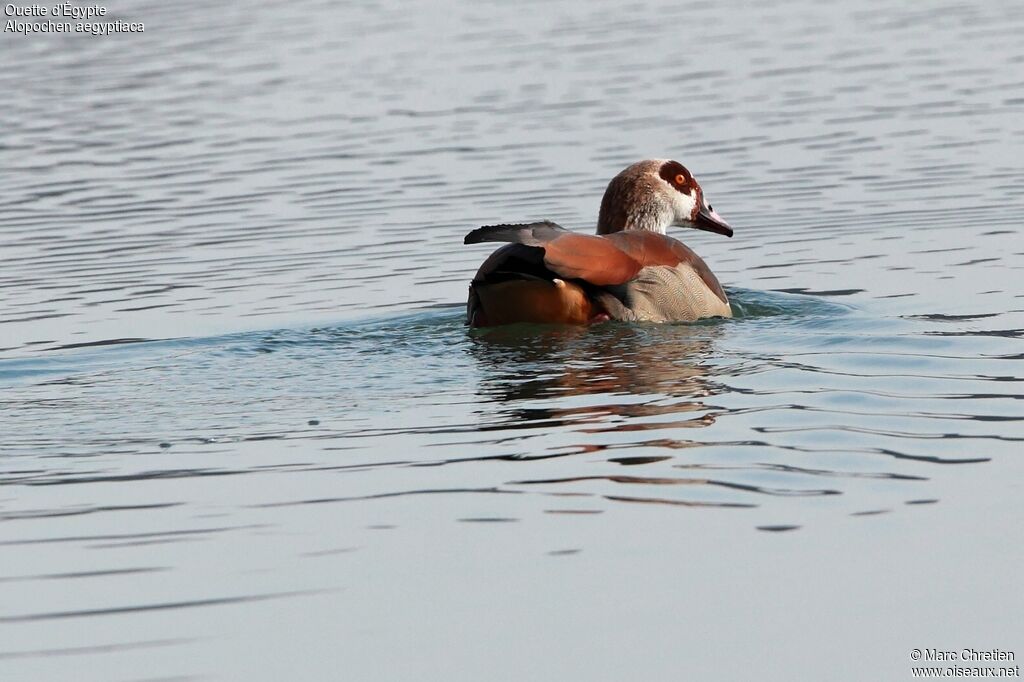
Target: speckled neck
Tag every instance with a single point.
(633, 201)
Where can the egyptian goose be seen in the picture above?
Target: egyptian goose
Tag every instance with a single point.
(630, 270)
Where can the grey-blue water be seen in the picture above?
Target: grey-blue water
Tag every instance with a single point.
(245, 433)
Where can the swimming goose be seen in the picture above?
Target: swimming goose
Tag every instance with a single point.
(630, 270)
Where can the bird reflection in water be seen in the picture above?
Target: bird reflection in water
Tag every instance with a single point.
(527, 368)
(605, 381)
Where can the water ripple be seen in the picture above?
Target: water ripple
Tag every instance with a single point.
(232, 346)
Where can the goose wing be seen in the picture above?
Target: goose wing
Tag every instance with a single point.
(569, 255)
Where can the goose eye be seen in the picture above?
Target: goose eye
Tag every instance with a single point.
(680, 179)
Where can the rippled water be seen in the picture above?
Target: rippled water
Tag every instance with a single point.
(246, 434)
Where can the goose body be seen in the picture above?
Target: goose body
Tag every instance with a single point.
(630, 270)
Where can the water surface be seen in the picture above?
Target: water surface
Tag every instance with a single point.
(247, 435)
